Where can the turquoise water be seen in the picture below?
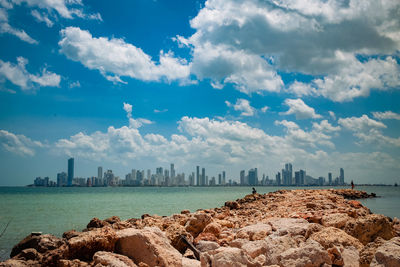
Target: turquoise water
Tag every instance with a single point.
(56, 210)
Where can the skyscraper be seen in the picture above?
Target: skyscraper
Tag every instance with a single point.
(197, 175)
(253, 177)
(203, 176)
(330, 178)
(172, 172)
(70, 171)
(302, 177)
(223, 178)
(341, 178)
(242, 177)
(99, 173)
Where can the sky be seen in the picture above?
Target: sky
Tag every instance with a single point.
(224, 84)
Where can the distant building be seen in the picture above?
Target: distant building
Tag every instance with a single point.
(278, 179)
(330, 178)
(197, 175)
(242, 177)
(341, 177)
(70, 171)
(223, 178)
(62, 179)
(253, 177)
(203, 177)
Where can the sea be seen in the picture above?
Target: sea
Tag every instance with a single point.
(56, 210)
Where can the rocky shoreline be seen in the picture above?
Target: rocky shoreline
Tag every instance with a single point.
(326, 227)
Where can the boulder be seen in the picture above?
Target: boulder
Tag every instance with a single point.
(86, 244)
(331, 236)
(255, 248)
(196, 223)
(310, 254)
(72, 263)
(213, 228)
(388, 254)
(148, 245)
(232, 205)
(71, 233)
(351, 257)
(19, 263)
(112, 220)
(204, 246)
(41, 243)
(226, 257)
(174, 232)
(337, 220)
(369, 227)
(96, 223)
(276, 245)
(291, 226)
(186, 262)
(109, 259)
(29, 254)
(368, 252)
(254, 232)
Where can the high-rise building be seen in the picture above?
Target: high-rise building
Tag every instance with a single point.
(278, 178)
(100, 173)
(341, 178)
(302, 177)
(253, 177)
(172, 172)
(287, 174)
(62, 179)
(223, 178)
(297, 178)
(242, 177)
(330, 178)
(220, 179)
(70, 171)
(203, 177)
(197, 175)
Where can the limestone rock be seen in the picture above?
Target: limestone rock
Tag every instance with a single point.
(196, 223)
(368, 252)
(276, 245)
(255, 232)
(148, 245)
(331, 236)
(337, 220)
(291, 226)
(85, 245)
(190, 262)
(109, 259)
(96, 223)
(388, 254)
(29, 254)
(213, 228)
(255, 248)
(41, 243)
(311, 254)
(367, 228)
(351, 257)
(204, 246)
(72, 263)
(19, 263)
(225, 257)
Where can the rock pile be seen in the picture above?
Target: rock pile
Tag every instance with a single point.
(284, 228)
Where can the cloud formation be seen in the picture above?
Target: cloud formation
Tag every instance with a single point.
(18, 75)
(114, 58)
(5, 27)
(243, 106)
(247, 43)
(300, 109)
(387, 115)
(18, 144)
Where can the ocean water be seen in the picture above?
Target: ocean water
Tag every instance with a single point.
(56, 210)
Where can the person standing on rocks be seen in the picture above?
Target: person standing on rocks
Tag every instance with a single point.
(254, 191)
(352, 184)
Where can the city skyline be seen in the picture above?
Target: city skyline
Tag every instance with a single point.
(219, 83)
(165, 177)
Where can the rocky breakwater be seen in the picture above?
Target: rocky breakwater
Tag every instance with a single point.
(283, 228)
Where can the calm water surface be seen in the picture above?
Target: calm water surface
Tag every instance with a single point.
(56, 210)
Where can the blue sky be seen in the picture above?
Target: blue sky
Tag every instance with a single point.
(227, 85)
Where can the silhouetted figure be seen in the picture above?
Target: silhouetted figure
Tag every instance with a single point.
(254, 190)
(352, 184)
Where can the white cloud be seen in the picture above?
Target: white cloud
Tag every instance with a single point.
(114, 58)
(134, 123)
(298, 108)
(248, 43)
(355, 79)
(160, 110)
(264, 109)
(360, 123)
(387, 115)
(243, 106)
(18, 144)
(18, 75)
(5, 27)
(65, 8)
(332, 114)
(369, 131)
(42, 18)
